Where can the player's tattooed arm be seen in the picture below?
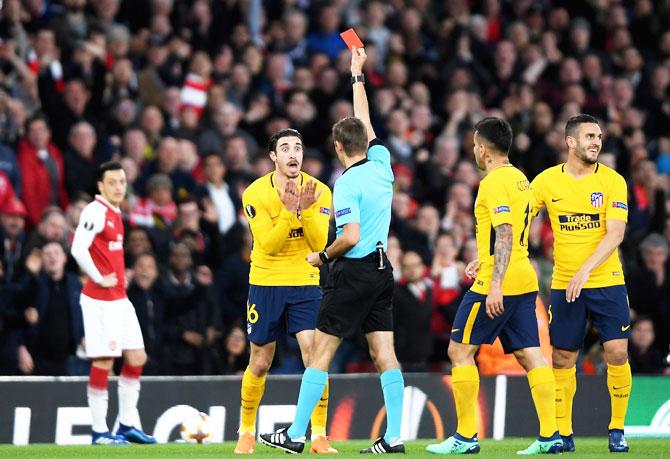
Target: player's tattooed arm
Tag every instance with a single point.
(502, 251)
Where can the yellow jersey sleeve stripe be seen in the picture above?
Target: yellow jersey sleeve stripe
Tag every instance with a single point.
(467, 331)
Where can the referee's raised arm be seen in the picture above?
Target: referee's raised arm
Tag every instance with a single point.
(361, 109)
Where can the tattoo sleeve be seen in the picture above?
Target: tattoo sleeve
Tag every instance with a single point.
(502, 250)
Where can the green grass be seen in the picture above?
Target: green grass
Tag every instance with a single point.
(586, 447)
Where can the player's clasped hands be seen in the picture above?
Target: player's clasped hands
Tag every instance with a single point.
(309, 195)
(290, 197)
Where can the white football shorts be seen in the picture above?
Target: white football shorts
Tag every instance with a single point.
(110, 327)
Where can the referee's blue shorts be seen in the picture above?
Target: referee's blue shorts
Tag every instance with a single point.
(516, 327)
(607, 307)
(272, 312)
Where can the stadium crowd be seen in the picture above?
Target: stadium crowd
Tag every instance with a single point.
(185, 93)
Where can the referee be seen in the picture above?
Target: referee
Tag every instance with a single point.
(359, 289)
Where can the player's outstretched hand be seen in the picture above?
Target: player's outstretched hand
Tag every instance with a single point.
(290, 197)
(358, 58)
(576, 285)
(472, 269)
(314, 259)
(109, 281)
(309, 195)
(494, 302)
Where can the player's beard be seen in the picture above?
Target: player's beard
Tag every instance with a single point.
(585, 156)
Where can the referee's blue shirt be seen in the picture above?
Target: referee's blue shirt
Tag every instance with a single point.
(363, 195)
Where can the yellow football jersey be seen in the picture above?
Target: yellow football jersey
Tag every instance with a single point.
(282, 240)
(578, 210)
(504, 196)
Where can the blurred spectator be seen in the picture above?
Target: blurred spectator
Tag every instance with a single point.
(448, 287)
(42, 169)
(649, 287)
(327, 39)
(167, 163)
(73, 212)
(51, 228)
(149, 305)
(80, 164)
(12, 226)
(412, 310)
(216, 191)
(7, 194)
(235, 354)
(394, 255)
(189, 330)
(200, 234)
(644, 357)
(232, 281)
(10, 167)
(647, 201)
(55, 324)
(226, 124)
(158, 210)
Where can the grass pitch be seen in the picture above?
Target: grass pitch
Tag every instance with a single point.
(586, 447)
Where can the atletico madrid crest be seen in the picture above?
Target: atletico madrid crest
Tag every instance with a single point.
(597, 199)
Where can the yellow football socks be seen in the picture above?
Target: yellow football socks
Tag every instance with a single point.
(252, 391)
(543, 390)
(619, 384)
(320, 415)
(465, 380)
(566, 386)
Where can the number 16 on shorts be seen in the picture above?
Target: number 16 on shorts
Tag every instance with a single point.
(252, 316)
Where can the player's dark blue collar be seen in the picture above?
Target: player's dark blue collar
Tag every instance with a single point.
(302, 179)
(357, 163)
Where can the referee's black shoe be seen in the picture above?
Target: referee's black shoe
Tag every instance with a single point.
(381, 447)
(280, 440)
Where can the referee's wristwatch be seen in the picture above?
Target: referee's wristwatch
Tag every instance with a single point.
(357, 78)
(323, 255)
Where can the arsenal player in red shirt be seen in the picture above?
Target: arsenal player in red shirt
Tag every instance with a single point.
(110, 325)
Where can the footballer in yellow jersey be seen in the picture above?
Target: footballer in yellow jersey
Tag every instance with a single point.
(588, 210)
(501, 303)
(288, 213)
(504, 196)
(578, 211)
(282, 239)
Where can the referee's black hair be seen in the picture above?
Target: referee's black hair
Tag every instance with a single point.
(108, 166)
(573, 123)
(274, 138)
(496, 132)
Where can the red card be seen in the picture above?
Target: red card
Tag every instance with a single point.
(351, 39)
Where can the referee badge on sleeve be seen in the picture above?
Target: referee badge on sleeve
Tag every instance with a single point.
(251, 212)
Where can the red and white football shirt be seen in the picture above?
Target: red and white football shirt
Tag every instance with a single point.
(98, 248)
